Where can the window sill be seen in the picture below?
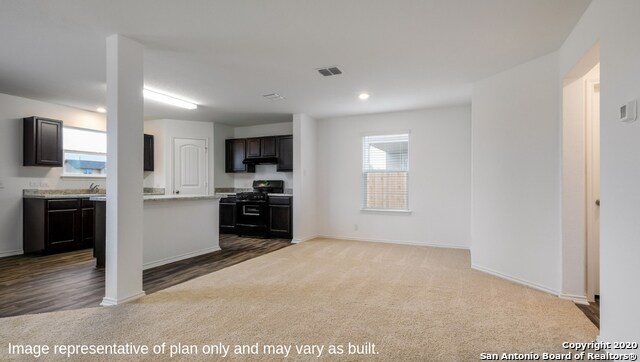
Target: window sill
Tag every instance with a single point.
(386, 211)
(83, 177)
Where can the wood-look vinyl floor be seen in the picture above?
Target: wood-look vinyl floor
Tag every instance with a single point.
(592, 311)
(37, 284)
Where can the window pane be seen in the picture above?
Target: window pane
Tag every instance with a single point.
(76, 139)
(85, 151)
(385, 167)
(386, 190)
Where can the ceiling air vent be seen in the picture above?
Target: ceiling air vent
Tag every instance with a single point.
(274, 97)
(329, 71)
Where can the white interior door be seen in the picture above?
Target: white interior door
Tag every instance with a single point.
(593, 188)
(190, 166)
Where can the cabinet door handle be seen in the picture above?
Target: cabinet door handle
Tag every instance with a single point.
(177, 192)
(598, 202)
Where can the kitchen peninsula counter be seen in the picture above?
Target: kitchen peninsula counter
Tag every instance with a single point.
(176, 227)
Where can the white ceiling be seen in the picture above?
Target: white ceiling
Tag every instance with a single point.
(225, 55)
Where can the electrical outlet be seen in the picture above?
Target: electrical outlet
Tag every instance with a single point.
(355, 227)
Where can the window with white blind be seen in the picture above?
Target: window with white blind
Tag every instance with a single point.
(385, 172)
(85, 152)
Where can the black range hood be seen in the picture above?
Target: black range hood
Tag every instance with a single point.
(260, 160)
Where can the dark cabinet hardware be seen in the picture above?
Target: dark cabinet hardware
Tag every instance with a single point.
(42, 142)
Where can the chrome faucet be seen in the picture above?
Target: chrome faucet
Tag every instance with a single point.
(94, 188)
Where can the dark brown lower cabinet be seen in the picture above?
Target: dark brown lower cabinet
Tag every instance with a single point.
(86, 234)
(280, 216)
(228, 215)
(54, 225)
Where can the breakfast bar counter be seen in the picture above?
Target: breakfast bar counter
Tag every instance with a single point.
(176, 227)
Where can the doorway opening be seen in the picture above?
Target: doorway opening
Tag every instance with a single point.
(581, 181)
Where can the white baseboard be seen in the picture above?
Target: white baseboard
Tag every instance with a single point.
(401, 242)
(515, 280)
(578, 299)
(108, 302)
(153, 264)
(302, 240)
(11, 253)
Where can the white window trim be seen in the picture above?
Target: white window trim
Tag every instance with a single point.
(406, 211)
(386, 211)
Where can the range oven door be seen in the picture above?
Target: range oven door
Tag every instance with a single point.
(251, 218)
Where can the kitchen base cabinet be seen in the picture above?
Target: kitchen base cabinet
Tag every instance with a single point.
(280, 217)
(54, 225)
(228, 215)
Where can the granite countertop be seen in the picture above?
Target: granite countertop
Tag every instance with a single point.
(166, 197)
(50, 194)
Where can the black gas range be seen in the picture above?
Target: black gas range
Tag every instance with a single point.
(251, 207)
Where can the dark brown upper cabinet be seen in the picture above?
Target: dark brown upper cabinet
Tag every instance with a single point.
(42, 142)
(261, 147)
(268, 146)
(253, 147)
(148, 153)
(285, 154)
(235, 153)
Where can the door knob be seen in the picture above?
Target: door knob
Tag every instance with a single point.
(598, 202)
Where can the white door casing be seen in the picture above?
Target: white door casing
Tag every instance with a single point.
(593, 187)
(190, 160)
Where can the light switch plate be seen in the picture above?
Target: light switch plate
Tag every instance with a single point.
(628, 112)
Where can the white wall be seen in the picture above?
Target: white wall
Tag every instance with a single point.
(263, 130)
(221, 133)
(439, 179)
(263, 172)
(164, 132)
(305, 178)
(526, 232)
(616, 26)
(14, 177)
(515, 226)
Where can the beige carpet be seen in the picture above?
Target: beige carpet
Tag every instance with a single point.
(413, 303)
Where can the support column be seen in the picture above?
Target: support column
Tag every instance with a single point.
(124, 224)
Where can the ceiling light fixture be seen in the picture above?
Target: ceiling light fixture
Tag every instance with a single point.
(364, 96)
(101, 110)
(167, 99)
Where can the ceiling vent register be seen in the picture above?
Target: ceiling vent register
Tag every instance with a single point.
(329, 71)
(274, 97)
